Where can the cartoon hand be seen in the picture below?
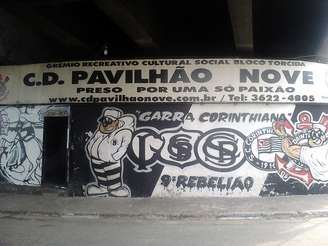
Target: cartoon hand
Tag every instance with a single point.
(279, 129)
(122, 140)
(290, 149)
(285, 144)
(120, 151)
(89, 134)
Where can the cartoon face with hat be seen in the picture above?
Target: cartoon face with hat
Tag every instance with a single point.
(317, 135)
(106, 149)
(109, 121)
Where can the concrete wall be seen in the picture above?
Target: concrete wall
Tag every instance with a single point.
(198, 150)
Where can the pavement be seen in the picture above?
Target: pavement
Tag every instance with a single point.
(53, 205)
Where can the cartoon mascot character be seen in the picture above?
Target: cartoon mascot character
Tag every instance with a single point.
(106, 149)
(312, 155)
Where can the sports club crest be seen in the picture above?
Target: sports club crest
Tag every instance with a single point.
(295, 151)
(260, 148)
(178, 149)
(170, 147)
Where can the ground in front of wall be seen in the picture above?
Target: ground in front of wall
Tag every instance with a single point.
(23, 230)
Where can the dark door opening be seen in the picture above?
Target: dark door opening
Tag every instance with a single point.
(55, 159)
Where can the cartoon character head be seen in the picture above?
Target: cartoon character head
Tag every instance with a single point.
(109, 120)
(317, 135)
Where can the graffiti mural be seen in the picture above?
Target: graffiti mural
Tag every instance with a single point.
(20, 144)
(105, 150)
(200, 150)
(21, 135)
(301, 149)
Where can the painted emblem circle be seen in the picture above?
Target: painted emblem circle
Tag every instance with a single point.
(220, 149)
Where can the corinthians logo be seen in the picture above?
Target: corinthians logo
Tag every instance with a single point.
(260, 148)
(220, 149)
(296, 151)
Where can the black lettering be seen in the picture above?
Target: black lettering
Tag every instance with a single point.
(113, 79)
(220, 184)
(182, 181)
(270, 76)
(248, 183)
(49, 78)
(252, 76)
(201, 75)
(179, 75)
(192, 182)
(166, 180)
(201, 182)
(97, 77)
(78, 75)
(307, 77)
(138, 77)
(212, 182)
(291, 79)
(237, 184)
(162, 75)
(29, 79)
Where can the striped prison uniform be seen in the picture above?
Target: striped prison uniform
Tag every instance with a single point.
(108, 174)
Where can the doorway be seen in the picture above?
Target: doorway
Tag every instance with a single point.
(55, 153)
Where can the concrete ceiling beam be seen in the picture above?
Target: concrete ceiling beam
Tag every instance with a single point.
(124, 17)
(241, 15)
(35, 21)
